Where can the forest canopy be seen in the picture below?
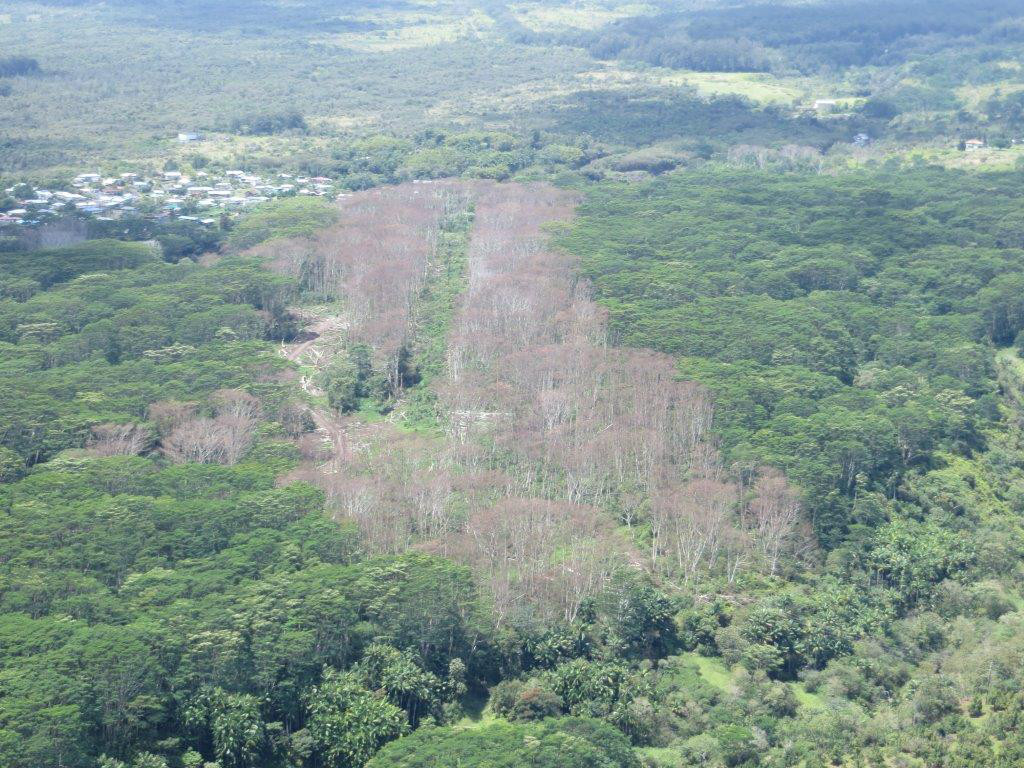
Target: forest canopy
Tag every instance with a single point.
(493, 384)
(863, 305)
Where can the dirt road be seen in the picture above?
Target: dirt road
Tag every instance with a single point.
(308, 349)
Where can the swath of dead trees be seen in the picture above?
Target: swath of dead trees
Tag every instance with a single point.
(377, 259)
(559, 453)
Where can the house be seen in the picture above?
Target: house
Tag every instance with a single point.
(973, 145)
(172, 176)
(188, 137)
(825, 105)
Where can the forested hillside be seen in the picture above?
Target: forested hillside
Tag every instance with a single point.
(855, 314)
(861, 334)
(535, 384)
(173, 592)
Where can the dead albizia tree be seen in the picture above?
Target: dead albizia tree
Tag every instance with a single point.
(167, 415)
(223, 439)
(775, 518)
(539, 559)
(119, 440)
(237, 414)
(196, 441)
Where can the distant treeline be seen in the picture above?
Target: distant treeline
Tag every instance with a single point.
(763, 37)
(268, 124)
(258, 17)
(665, 41)
(18, 65)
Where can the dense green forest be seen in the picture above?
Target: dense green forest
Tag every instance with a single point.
(805, 36)
(856, 314)
(859, 333)
(186, 606)
(182, 606)
(646, 392)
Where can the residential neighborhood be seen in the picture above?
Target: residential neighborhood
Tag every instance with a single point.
(202, 196)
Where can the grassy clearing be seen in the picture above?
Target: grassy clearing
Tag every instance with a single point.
(419, 31)
(715, 672)
(975, 96)
(663, 757)
(712, 670)
(805, 698)
(478, 714)
(756, 86)
(575, 15)
(759, 87)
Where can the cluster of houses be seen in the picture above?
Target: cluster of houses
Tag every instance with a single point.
(200, 197)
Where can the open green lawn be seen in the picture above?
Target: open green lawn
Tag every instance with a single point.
(756, 86)
(719, 675)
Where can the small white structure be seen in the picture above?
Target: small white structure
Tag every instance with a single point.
(187, 137)
(973, 145)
